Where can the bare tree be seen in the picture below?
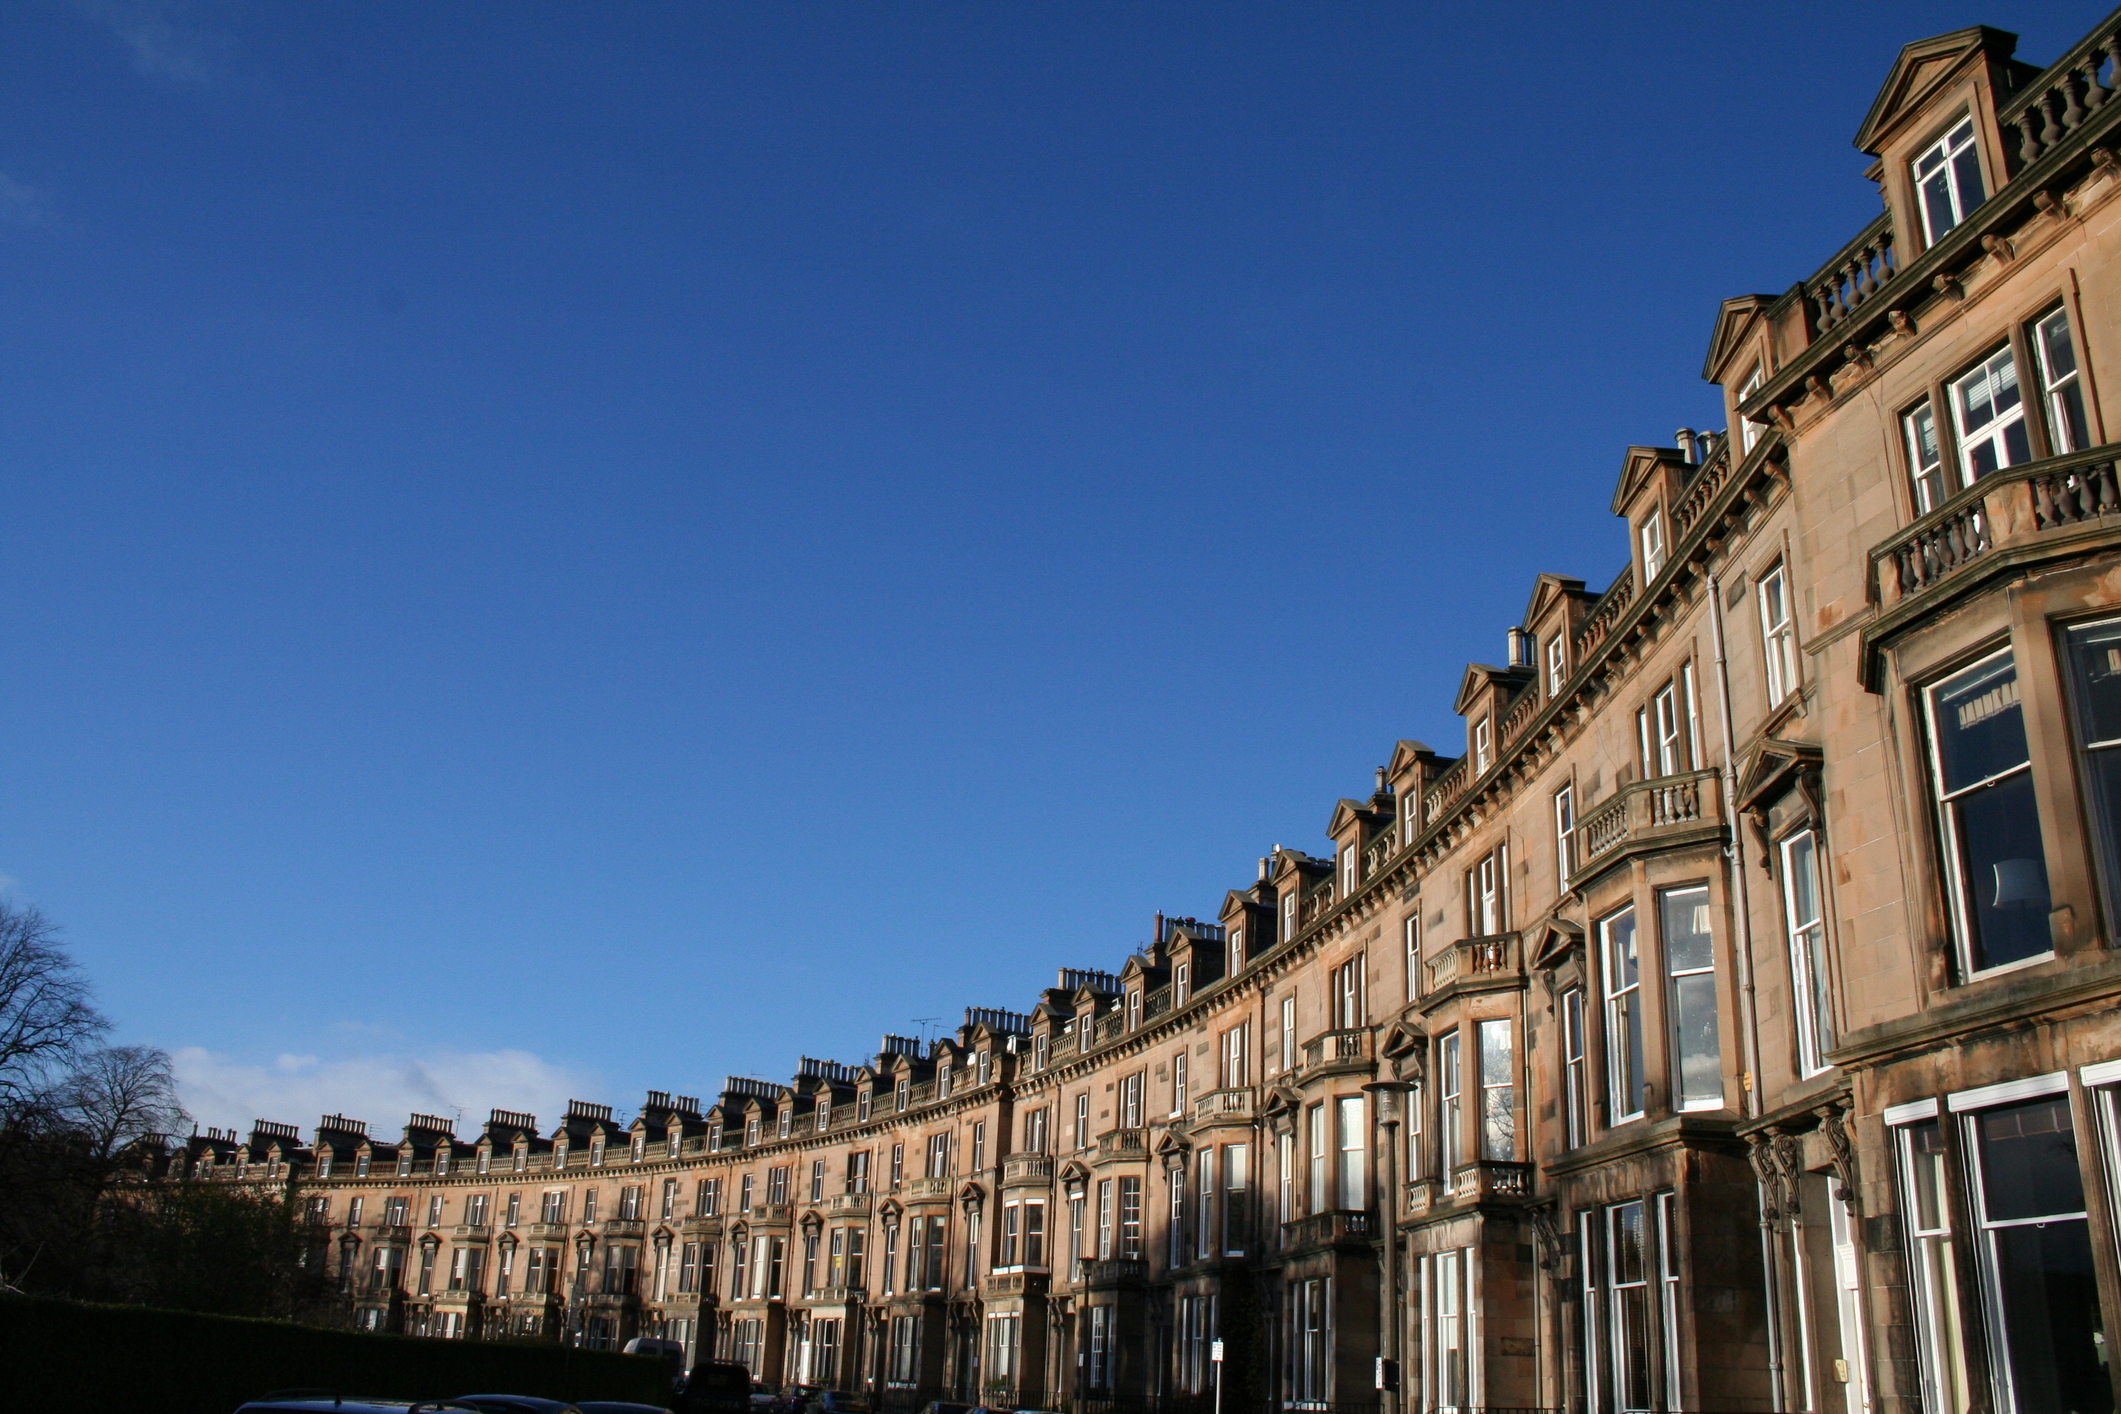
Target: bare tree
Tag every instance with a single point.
(45, 1013)
(116, 1095)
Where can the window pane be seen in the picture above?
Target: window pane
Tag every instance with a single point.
(2029, 1161)
(1980, 727)
(2051, 1334)
(2095, 655)
(2004, 872)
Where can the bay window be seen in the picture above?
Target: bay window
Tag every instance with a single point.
(2067, 429)
(1925, 458)
(1498, 1093)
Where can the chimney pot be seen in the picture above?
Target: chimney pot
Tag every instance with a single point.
(1688, 448)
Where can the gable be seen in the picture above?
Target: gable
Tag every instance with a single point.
(1734, 328)
(1547, 591)
(1922, 68)
(1637, 468)
(1406, 754)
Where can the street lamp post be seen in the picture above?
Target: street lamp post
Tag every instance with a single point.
(1391, 1367)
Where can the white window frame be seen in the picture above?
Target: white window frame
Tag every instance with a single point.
(1652, 536)
(1178, 1083)
(1622, 996)
(2062, 390)
(1483, 744)
(1778, 633)
(1925, 458)
(1557, 666)
(1288, 1035)
(1942, 158)
(1993, 436)
(1806, 937)
(1410, 942)
(1564, 835)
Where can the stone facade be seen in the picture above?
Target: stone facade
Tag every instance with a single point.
(1726, 1024)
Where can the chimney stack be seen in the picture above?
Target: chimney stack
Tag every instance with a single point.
(1688, 447)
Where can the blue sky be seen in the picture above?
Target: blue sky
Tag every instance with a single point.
(559, 549)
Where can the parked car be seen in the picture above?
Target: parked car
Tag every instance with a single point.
(939, 1406)
(514, 1404)
(613, 1406)
(672, 1351)
(763, 1396)
(716, 1387)
(836, 1401)
(330, 1401)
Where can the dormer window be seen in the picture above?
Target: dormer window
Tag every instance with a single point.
(1134, 1007)
(1652, 545)
(1483, 745)
(824, 1113)
(522, 1157)
(1237, 950)
(596, 1152)
(441, 1163)
(985, 1063)
(640, 1147)
(752, 1131)
(1288, 915)
(1948, 180)
(1347, 872)
(1039, 1049)
(360, 1166)
(714, 1139)
(404, 1163)
(1409, 814)
(1181, 983)
(786, 1123)
(902, 1093)
(1557, 666)
(324, 1164)
(485, 1160)
(942, 1081)
(862, 1104)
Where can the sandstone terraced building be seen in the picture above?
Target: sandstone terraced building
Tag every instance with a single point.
(1727, 1022)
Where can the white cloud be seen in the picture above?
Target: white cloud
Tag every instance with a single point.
(382, 1089)
(162, 46)
(21, 205)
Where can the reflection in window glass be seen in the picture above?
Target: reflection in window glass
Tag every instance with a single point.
(1623, 1015)
(1808, 962)
(1995, 861)
(2095, 673)
(1990, 408)
(1936, 1292)
(1498, 1094)
(1925, 459)
(1948, 175)
(1690, 962)
(2037, 1259)
(2058, 379)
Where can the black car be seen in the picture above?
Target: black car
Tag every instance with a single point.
(329, 1401)
(514, 1404)
(716, 1387)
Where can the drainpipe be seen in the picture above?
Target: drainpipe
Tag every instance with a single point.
(1748, 999)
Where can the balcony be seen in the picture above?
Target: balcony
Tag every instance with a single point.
(2007, 518)
(772, 1213)
(1659, 813)
(838, 1296)
(848, 1205)
(1118, 1271)
(1491, 1181)
(1498, 957)
(387, 1231)
(1241, 1103)
(548, 1229)
(620, 1227)
(918, 1189)
(1337, 1052)
(1337, 1228)
(1027, 1168)
(1021, 1281)
(472, 1232)
(1123, 1144)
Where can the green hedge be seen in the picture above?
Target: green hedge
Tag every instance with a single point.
(77, 1356)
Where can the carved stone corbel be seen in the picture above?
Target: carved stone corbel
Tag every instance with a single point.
(1846, 1175)
(1760, 1153)
(1546, 1233)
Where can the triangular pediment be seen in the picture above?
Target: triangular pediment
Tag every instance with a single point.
(1406, 754)
(1553, 940)
(1477, 679)
(1734, 329)
(1637, 467)
(1345, 814)
(1922, 68)
(1547, 591)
